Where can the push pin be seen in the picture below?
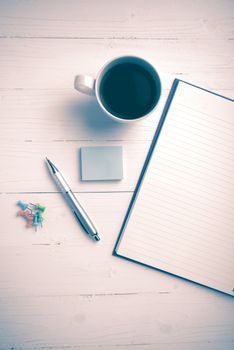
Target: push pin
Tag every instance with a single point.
(29, 221)
(40, 207)
(40, 218)
(22, 205)
(32, 213)
(25, 213)
(35, 221)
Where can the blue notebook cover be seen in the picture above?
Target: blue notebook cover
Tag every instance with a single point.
(143, 172)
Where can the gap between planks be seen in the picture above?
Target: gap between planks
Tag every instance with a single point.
(86, 37)
(55, 192)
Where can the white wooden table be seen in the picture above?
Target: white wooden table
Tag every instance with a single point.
(58, 289)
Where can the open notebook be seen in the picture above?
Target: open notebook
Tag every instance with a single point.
(180, 219)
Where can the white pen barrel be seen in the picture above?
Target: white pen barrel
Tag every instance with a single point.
(80, 213)
(61, 182)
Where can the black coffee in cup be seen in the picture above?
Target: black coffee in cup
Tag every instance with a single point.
(129, 90)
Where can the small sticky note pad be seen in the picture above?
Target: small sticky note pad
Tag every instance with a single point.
(101, 163)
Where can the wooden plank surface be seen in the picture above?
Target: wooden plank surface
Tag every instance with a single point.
(58, 289)
(53, 63)
(148, 19)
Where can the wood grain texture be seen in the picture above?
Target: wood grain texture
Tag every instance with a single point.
(52, 64)
(134, 19)
(58, 289)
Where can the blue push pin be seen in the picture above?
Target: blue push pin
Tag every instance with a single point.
(22, 205)
(35, 221)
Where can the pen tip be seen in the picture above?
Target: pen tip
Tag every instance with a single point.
(97, 238)
(51, 166)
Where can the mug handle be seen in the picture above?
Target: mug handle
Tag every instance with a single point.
(85, 84)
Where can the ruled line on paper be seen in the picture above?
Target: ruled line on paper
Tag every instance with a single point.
(189, 258)
(207, 122)
(182, 204)
(181, 210)
(199, 205)
(159, 236)
(194, 161)
(186, 170)
(161, 233)
(169, 269)
(192, 130)
(204, 117)
(167, 266)
(187, 226)
(193, 181)
(172, 193)
(206, 195)
(184, 140)
(205, 113)
(188, 131)
(148, 214)
(194, 184)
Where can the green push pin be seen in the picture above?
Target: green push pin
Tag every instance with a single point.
(40, 207)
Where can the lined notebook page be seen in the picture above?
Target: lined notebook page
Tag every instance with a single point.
(182, 220)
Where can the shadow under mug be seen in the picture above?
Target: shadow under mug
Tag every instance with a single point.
(140, 78)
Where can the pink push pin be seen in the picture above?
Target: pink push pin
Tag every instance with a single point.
(29, 222)
(24, 213)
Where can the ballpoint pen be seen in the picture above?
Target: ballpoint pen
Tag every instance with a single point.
(73, 203)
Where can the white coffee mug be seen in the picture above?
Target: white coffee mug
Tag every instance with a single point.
(131, 80)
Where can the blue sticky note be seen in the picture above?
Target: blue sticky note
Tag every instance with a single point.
(101, 163)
